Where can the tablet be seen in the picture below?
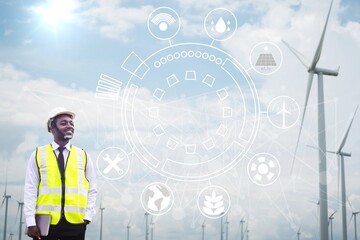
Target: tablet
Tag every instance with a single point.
(43, 223)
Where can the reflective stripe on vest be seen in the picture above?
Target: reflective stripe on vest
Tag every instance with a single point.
(49, 190)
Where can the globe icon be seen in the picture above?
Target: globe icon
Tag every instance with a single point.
(157, 198)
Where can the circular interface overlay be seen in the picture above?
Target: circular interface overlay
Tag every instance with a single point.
(190, 112)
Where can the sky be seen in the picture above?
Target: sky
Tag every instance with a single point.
(184, 101)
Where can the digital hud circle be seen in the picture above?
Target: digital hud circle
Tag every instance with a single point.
(190, 111)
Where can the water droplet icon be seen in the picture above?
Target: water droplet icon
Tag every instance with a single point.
(220, 25)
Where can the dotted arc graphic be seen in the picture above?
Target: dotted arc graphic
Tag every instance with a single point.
(184, 144)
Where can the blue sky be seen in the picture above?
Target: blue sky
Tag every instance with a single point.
(43, 66)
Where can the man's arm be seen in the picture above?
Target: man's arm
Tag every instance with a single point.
(91, 176)
(30, 196)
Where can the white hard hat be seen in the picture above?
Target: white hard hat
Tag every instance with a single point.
(56, 112)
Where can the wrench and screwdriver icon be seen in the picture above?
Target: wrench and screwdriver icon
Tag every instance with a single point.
(113, 164)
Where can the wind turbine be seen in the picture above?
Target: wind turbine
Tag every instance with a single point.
(227, 229)
(6, 200)
(313, 69)
(146, 226)
(203, 231)
(101, 219)
(331, 224)
(354, 215)
(340, 154)
(20, 208)
(222, 227)
(128, 230)
(152, 228)
(242, 227)
(283, 112)
(247, 234)
(298, 233)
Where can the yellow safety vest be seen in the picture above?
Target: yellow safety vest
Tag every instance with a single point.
(49, 189)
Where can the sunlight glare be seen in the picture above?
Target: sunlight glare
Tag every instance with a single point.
(56, 11)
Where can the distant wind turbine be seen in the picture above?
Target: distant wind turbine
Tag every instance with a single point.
(5, 200)
(152, 228)
(331, 224)
(340, 154)
(128, 230)
(203, 230)
(227, 229)
(353, 214)
(146, 226)
(20, 208)
(101, 219)
(247, 234)
(222, 227)
(313, 69)
(242, 229)
(298, 233)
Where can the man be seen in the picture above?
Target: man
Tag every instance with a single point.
(60, 182)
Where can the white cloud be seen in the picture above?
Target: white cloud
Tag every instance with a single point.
(8, 32)
(27, 42)
(114, 20)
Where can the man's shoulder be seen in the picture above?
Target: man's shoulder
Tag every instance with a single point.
(44, 146)
(76, 148)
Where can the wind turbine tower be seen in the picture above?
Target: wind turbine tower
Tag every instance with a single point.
(101, 219)
(320, 72)
(227, 229)
(222, 228)
(152, 228)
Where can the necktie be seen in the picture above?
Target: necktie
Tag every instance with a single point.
(61, 164)
(61, 161)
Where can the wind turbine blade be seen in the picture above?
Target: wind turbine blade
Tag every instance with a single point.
(338, 182)
(298, 55)
(308, 89)
(6, 181)
(352, 210)
(320, 45)
(17, 213)
(351, 218)
(347, 132)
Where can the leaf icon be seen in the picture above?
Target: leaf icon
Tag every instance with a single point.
(219, 204)
(208, 198)
(218, 198)
(219, 211)
(213, 204)
(208, 211)
(208, 204)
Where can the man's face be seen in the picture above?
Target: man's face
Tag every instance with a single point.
(64, 126)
